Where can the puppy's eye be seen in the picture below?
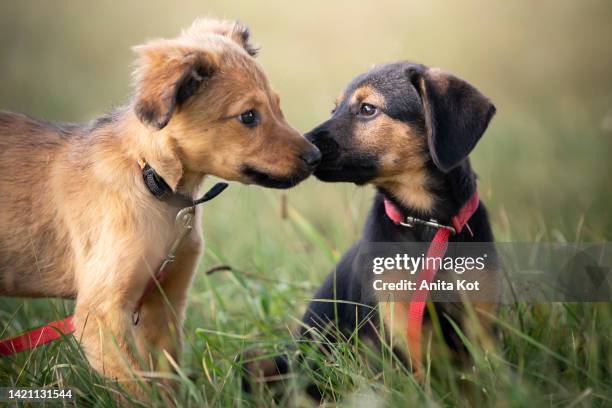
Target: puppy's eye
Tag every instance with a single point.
(367, 110)
(249, 118)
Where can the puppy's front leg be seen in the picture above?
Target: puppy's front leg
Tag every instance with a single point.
(104, 329)
(162, 313)
(110, 281)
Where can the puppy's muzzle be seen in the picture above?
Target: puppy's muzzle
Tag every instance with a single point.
(311, 157)
(329, 148)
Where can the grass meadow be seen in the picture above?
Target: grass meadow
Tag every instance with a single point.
(544, 168)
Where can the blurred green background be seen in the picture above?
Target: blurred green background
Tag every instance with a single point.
(547, 65)
(544, 164)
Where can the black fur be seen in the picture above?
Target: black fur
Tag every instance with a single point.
(269, 180)
(148, 113)
(189, 83)
(453, 119)
(456, 115)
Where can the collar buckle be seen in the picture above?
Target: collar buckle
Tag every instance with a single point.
(411, 222)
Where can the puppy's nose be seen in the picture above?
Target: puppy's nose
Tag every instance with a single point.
(311, 157)
(328, 147)
(315, 135)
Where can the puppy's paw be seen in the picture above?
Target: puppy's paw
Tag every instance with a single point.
(261, 370)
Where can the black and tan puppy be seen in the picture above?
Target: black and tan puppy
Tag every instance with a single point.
(407, 130)
(78, 219)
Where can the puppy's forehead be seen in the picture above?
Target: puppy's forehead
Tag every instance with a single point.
(368, 94)
(244, 69)
(390, 84)
(384, 79)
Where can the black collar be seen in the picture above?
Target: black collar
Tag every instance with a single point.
(162, 191)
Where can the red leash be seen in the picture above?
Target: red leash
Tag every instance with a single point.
(54, 330)
(37, 337)
(436, 249)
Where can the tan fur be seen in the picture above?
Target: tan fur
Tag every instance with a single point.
(78, 221)
(477, 324)
(399, 148)
(395, 319)
(367, 94)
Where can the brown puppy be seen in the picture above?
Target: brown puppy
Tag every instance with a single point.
(78, 220)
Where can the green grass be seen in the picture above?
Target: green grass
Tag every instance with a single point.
(544, 168)
(548, 354)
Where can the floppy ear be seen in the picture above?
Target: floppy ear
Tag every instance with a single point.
(167, 75)
(456, 114)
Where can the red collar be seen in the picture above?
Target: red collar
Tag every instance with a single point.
(437, 249)
(458, 221)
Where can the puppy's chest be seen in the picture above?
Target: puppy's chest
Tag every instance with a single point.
(178, 233)
(391, 261)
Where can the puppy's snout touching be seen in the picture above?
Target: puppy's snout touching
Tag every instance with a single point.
(326, 145)
(312, 157)
(314, 135)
